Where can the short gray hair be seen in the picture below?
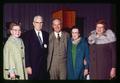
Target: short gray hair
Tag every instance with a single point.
(37, 17)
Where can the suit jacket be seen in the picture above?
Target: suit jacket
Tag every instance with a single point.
(36, 55)
(64, 36)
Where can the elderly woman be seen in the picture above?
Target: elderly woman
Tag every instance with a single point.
(102, 52)
(13, 55)
(77, 56)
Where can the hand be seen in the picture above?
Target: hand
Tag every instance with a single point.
(85, 72)
(12, 75)
(98, 35)
(29, 70)
(85, 62)
(112, 73)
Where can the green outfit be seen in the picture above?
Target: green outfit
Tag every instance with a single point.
(74, 54)
(13, 58)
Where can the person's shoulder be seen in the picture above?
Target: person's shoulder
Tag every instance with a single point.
(51, 36)
(9, 42)
(69, 40)
(51, 33)
(111, 35)
(45, 32)
(109, 31)
(28, 32)
(83, 39)
(65, 33)
(92, 32)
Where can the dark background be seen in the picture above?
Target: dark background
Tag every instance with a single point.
(87, 14)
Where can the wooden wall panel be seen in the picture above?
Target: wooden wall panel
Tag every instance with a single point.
(68, 17)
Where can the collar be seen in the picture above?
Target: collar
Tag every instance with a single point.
(108, 37)
(56, 34)
(40, 32)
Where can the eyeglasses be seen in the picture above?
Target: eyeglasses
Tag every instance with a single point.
(16, 30)
(39, 22)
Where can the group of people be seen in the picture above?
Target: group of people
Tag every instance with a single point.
(38, 55)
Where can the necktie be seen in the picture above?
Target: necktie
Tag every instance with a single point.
(39, 38)
(58, 36)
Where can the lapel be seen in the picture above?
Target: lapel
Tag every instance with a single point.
(62, 37)
(79, 48)
(34, 37)
(70, 64)
(51, 49)
(52, 42)
(53, 39)
(43, 36)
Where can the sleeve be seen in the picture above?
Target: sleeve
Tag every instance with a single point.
(110, 36)
(5, 57)
(92, 37)
(87, 55)
(50, 50)
(68, 35)
(113, 49)
(27, 49)
(9, 63)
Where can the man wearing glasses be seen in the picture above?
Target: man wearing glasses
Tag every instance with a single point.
(36, 49)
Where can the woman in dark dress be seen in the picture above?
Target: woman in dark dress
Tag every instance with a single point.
(102, 52)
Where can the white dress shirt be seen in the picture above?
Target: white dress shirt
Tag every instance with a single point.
(40, 34)
(56, 34)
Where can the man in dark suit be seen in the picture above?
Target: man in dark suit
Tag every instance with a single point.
(36, 50)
